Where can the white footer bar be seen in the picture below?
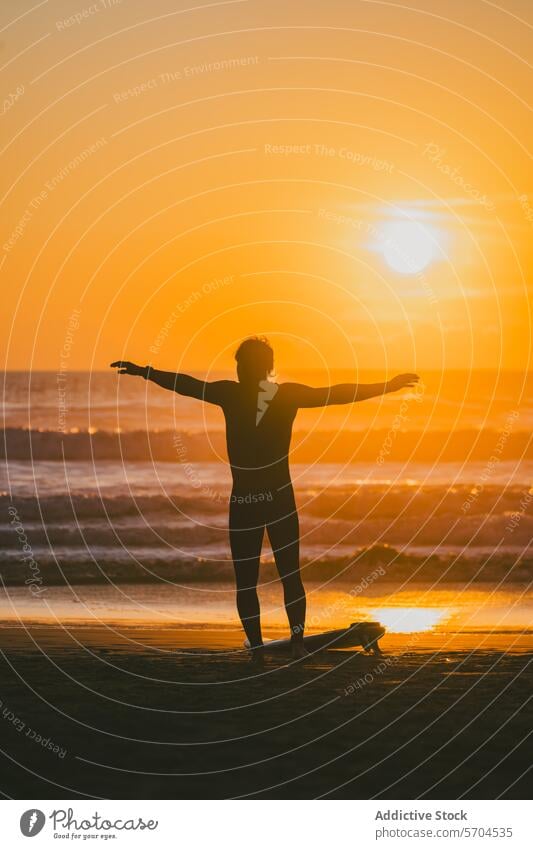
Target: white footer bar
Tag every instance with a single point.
(266, 824)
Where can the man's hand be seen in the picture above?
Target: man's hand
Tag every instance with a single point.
(401, 381)
(125, 367)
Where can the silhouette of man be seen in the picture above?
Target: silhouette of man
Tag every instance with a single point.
(259, 415)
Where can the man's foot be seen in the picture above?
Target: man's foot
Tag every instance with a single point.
(257, 656)
(298, 650)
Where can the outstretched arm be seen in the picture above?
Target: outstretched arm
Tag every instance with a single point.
(183, 384)
(347, 393)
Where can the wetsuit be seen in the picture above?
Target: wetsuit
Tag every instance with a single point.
(258, 434)
(262, 497)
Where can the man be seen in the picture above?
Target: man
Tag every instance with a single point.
(259, 416)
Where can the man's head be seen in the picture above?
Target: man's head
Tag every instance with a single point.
(255, 359)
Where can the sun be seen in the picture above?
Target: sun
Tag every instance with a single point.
(408, 247)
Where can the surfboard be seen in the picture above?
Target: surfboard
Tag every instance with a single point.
(364, 634)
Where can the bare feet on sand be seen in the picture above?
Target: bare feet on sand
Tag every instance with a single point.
(298, 650)
(257, 656)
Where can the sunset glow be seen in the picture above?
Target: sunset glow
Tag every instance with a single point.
(219, 185)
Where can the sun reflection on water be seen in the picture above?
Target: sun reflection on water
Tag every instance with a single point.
(407, 620)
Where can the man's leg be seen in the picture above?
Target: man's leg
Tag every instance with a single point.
(246, 541)
(284, 535)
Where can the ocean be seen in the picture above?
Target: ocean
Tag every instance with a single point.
(109, 483)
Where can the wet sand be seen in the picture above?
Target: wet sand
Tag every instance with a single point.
(166, 712)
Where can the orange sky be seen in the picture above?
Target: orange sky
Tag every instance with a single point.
(184, 179)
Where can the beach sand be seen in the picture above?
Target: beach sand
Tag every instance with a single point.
(165, 712)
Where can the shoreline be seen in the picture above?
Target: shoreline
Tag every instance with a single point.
(147, 638)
